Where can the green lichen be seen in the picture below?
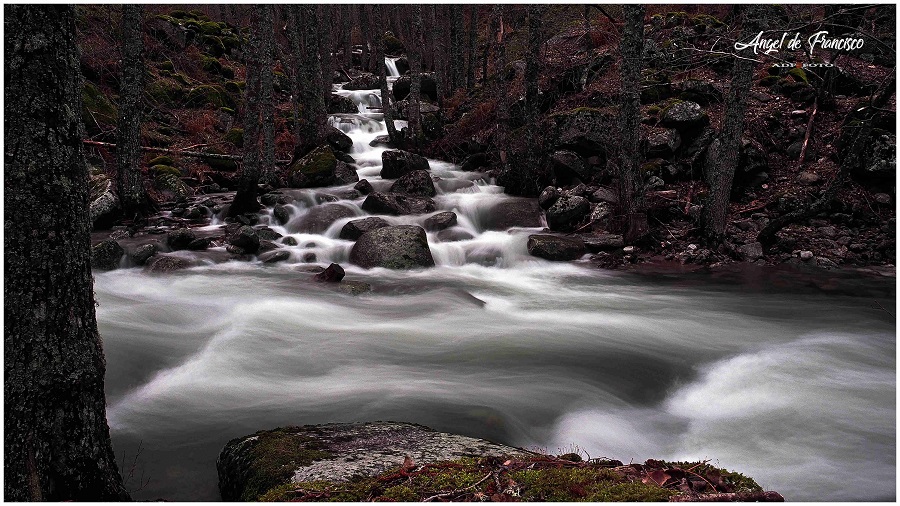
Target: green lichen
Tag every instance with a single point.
(165, 169)
(210, 64)
(274, 455)
(235, 136)
(96, 106)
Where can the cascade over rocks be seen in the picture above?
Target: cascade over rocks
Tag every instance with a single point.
(397, 163)
(334, 273)
(417, 183)
(344, 173)
(554, 247)
(384, 203)
(353, 230)
(364, 187)
(395, 247)
(338, 104)
(364, 81)
(143, 253)
(319, 218)
(180, 238)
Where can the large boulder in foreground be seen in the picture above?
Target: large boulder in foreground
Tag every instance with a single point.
(397, 163)
(554, 247)
(397, 247)
(252, 465)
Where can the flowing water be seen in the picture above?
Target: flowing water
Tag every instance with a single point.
(791, 383)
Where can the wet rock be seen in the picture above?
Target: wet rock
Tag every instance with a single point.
(337, 452)
(553, 247)
(397, 163)
(344, 174)
(364, 187)
(314, 170)
(180, 238)
(567, 166)
(548, 197)
(338, 104)
(166, 263)
(353, 287)
(143, 253)
(566, 213)
(245, 238)
(513, 213)
(272, 257)
(199, 244)
(105, 256)
(281, 214)
(396, 247)
(334, 273)
(309, 257)
(382, 203)
(364, 81)
(440, 221)
(454, 234)
(319, 218)
(338, 140)
(474, 162)
(381, 140)
(265, 246)
(603, 242)
(353, 230)
(289, 241)
(751, 251)
(685, 115)
(417, 183)
(266, 233)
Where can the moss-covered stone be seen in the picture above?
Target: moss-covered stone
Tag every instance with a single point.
(231, 42)
(214, 44)
(165, 92)
(219, 163)
(798, 75)
(235, 136)
(313, 170)
(210, 64)
(166, 65)
(236, 87)
(209, 94)
(171, 185)
(393, 45)
(768, 81)
(95, 106)
(165, 169)
(179, 14)
(162, 160)
(212, 28)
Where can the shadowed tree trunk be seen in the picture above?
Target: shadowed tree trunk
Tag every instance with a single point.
(129, 180)
(470, 47)
(312, 101)
(456, 57)
(245, 199)
(723, 154)
(415, 89)
(365, 27)
(347, 32)
(266, 99)
(379, 16)
(56, 439)
(631, 193)
(502, 134)
(326, 46)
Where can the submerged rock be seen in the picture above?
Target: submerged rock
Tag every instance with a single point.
(553, 247)
(397, 247)
(167, 263)
(180, 238)
(142, 253)
(250, 466)
(245, 238)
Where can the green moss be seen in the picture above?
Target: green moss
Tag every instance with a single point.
(211, 28)
(166, 65)
(674, 19)
(231, 42)
(654, 110)
(210, 64)
(400, 493)
(214, 44)
(737, 481)
(274, 456)
(768, 81)
(95, 106)
(798, 75)
(162, 160)
(235, 136)
(707, 21)
(218, 163)
(228, 110)
(179, 14)
(209, 94)
(165, 92)
(320, 160)
(587, 484)
(170, 183)
(392, 44)
(165, 169)
(236, 87)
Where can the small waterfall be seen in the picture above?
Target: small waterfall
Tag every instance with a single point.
(391, 64)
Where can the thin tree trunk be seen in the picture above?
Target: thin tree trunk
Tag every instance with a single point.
(347, 32)
(326, 46)
(245, 199)
(456, 57)
(387, 109)
(129, 180)
(502, 134)
(312, 100)
(720, 170)
(589, 42)
(630, 184)
(470, 49)
(56, 438)
(268, 174)
(365, 27)
(415, 64)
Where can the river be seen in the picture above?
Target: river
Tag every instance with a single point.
(791, 382)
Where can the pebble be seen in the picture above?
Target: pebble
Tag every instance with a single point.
(806, 256)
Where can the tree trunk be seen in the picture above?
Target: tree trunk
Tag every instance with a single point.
(586, 14)
(415, 65)
(387, 109)
(129, 180)
(630, 185)
(725, 150)
(347, 33)
(502, 134)
(326, 46)
(56, 439)
(470, 49)
(312, 99)
(245, 199)
(456, 57)
(268, 174)
(365, 27)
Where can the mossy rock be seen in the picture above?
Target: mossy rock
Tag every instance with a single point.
(165, 169)
(798, 75)
(654, 110)
(316, 169)
(162, 160)
(673, 19)
(199, 15)
(192, 25)
(227, 72)
(393, 45)
(236, 87)
(219, 164)
(171, 186)
(231, 42)
(179, 14)
(212, 28)
(214, 44)
(166, 65)
(95, 105)
(165, 92)
(209, 94)
(210, 64)
(704, 23)
(235, 136)
(769, 81)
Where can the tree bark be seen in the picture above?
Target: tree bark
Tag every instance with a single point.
(347, 33)
(245, 199)
(268, 174)
(326, 46)
(415, 89)
(470, 49)
(457, 57)
(721, 167)
(387, 109)
(502, 134)
(129, 180)
(56, 438)
(630, 185)
(312, 99)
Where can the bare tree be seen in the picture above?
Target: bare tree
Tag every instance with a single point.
(56, 444)
(379, 16)
(268, 174)
(129, 179)
(415, 65)
(502, 135)
(470, 47)
(631, 193)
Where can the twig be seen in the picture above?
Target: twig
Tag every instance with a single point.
(808, 130)
(195, 154)
(458, 491)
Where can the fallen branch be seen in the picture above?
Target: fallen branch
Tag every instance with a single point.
(454, 492)
(808, 131)
(729, 497)
(194, 154)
